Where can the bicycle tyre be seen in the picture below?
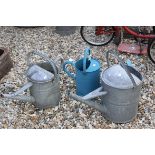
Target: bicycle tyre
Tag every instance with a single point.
(150, 45)
(96, 43)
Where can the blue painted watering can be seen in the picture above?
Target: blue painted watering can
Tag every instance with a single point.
(87, 75)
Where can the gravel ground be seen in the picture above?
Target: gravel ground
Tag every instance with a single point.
(70, 113)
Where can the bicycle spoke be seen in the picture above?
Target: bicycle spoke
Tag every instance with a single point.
(97, 35)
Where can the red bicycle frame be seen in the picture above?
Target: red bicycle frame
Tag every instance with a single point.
(99, 30)
(130, 31)
(117, 29)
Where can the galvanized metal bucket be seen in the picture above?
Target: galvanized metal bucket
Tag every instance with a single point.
(43, 94)
(119, 98)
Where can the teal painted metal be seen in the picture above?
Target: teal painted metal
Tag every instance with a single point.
(87, 75)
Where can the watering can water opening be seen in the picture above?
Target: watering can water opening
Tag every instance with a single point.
(35, 73)
(79, 65)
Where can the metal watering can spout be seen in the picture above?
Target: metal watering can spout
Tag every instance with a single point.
(86, 99)
(92, 104)
(19, 97)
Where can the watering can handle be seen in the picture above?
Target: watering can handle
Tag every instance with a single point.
(59, 62)
(86, 55)
(72, 75)
(114, 53)
(45, 57)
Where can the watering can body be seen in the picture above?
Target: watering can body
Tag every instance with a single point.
(87, 82)
(121, 104)
(118, 104)
(46, 94)
(87, 77)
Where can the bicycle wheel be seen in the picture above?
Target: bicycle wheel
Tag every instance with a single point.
(151, 50)
(97, 35)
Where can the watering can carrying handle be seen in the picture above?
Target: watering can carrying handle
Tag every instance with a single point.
(59, 62)
(45, 57)
(114, 53)
(86, 56)
(72, 75)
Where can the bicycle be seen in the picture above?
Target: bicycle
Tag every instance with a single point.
(102, 35)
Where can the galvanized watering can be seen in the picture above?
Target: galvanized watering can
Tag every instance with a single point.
(43, 82)
(87, 75)
(120, 92)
